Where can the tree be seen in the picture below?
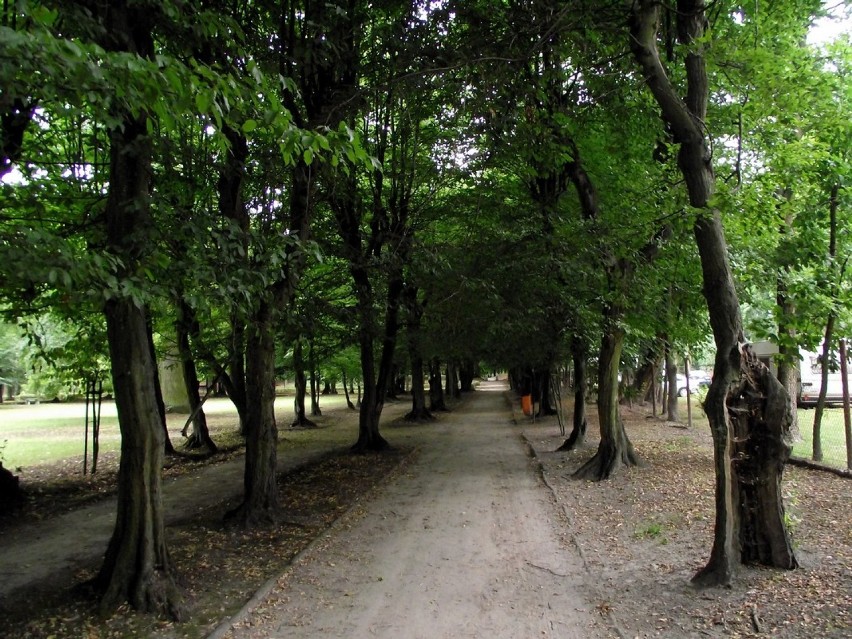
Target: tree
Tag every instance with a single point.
(749, 508)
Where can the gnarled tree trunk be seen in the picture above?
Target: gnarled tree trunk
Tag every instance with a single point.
(686, 120)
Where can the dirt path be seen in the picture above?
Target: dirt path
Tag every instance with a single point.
(465, 543)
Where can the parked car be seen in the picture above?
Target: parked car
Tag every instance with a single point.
(697, 379)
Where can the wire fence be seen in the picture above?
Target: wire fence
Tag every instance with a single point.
(832, 438)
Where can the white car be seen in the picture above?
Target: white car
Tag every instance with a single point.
(697, 379)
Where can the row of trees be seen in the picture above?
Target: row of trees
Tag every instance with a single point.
(521, 183)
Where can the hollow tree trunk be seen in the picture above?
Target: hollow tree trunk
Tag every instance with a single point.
(686, 119)
(579, 358)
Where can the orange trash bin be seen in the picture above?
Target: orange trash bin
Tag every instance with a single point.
(526, 404)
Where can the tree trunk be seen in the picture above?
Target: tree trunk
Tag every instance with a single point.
(467, 373)
(436, 388)
(418, 412)
(186, 325)
(761, 427)
(261, 489)
(137, 567)
(315, 383)
(825, 361)
(788, 348)
(828, 337)
(300, 381)
(168, 448)
(643, 383)
(452, 379)
(232, 207)
(686, 119)
(671, 383)
(578, 431)
(614, 449)
(545, 405)
(237, 375)
(346, 390)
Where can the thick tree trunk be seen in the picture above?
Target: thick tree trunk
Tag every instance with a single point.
(686, 119)
(579, 357)
(261, 489)
(418, 412)
(761, 427)
(436, 387)
(542, 383)
(137, 567)
(643, 382)
(467, 373)
(452, 381)
(614, 449)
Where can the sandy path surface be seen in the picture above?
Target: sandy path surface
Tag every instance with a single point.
(466, 542)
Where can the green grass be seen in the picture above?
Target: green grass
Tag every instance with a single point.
(833, 437)
(39, 434)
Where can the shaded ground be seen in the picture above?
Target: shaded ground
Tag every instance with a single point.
(460, 538)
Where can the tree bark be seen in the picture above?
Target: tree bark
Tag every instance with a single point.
(300, 381)
(260, 498)
(315, 383)
(346, 390)
(137, 567)
(686, 120)
(671, 383)
(579, 356)
(615, 449)
(436, 387)
(187, 324)
(414, 308)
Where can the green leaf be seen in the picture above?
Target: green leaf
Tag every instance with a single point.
(202, 101)
(249, 126)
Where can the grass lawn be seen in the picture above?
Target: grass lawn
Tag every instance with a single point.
(833, 437)
(38, 434)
